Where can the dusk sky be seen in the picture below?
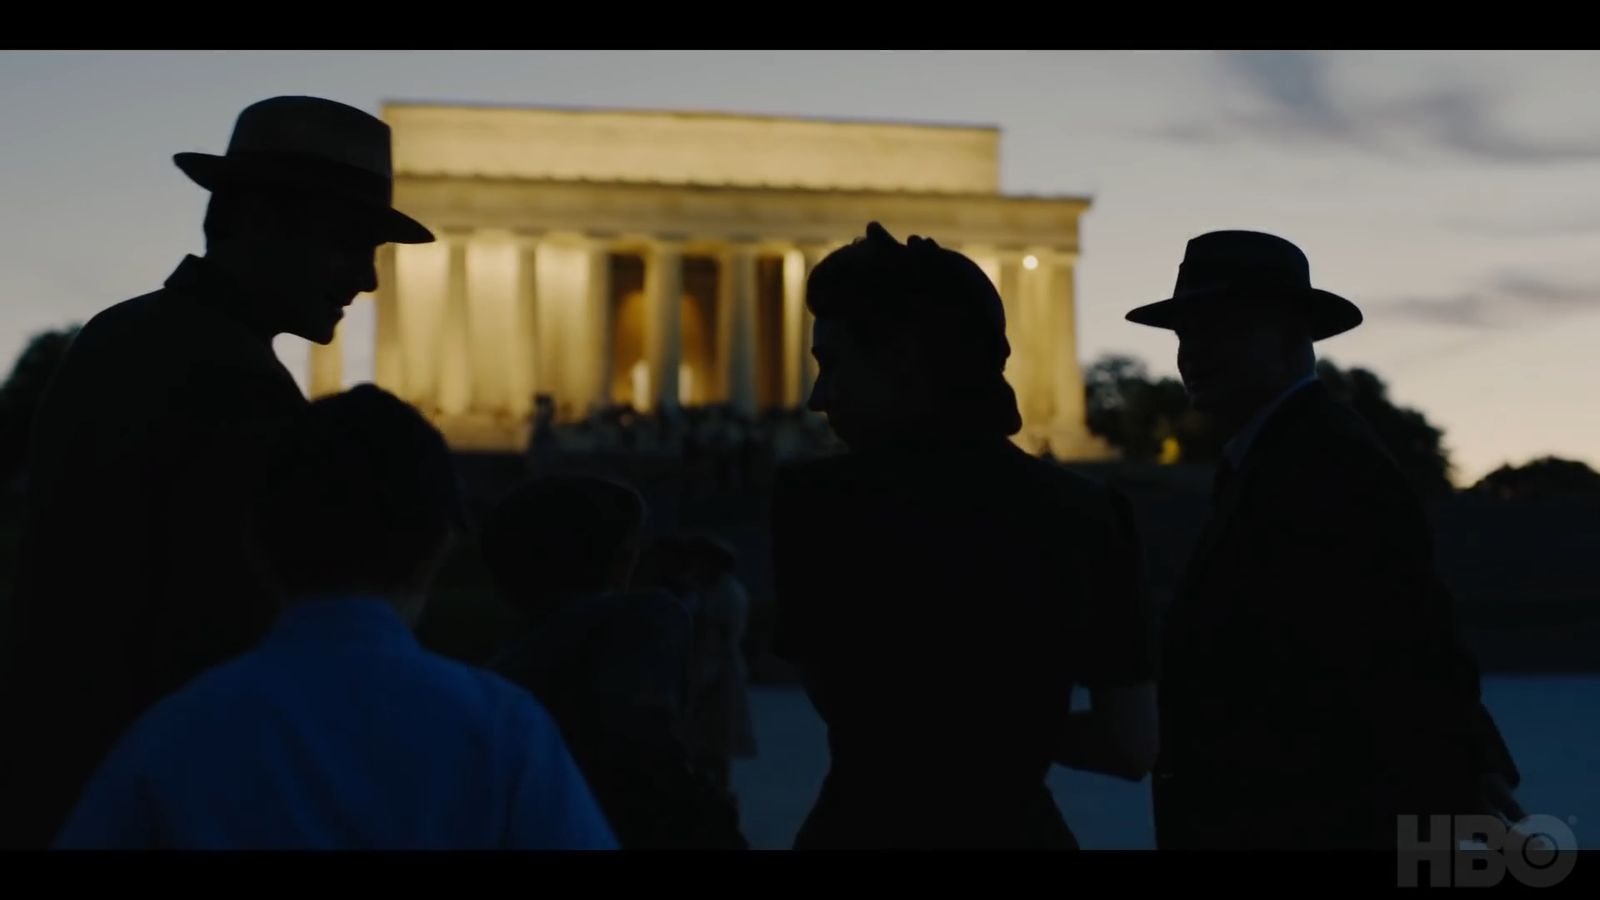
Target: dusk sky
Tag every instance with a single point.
(1453, 196)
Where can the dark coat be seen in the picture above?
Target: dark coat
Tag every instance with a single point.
(134, 575)
(1313, 686)
(612, 669)
(941, 602)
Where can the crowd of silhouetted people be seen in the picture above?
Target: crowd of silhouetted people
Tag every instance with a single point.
(711, 449)
(213, 645)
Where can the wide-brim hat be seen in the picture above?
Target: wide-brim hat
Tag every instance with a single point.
(1228, 272)
(315, 145)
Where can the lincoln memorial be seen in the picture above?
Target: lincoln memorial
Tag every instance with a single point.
(658, 259)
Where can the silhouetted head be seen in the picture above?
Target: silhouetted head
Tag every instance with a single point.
(361, 499)
(687, 562)
(711, 557)
(909, 339)
(1232, 365)
(300, 203)
(305, 258)
(1246, 317)
(560, 536)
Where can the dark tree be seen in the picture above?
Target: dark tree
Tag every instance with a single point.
(1146, 419)
(1540, 479)
(22, 393)
(1416, 444)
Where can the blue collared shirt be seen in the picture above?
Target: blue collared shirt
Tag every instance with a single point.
(341, 732)
(1238, 447)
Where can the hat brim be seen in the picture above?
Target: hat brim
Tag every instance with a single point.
(1328, 314)
(211, 172)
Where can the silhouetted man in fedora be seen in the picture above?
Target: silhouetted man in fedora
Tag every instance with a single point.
(1313, 689)
(134, 575)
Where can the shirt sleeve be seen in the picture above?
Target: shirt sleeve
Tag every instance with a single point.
(552, 807)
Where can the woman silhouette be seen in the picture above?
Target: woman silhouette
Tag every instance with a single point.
(940, 591)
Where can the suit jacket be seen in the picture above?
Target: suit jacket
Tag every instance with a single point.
(134, 575)
(1313, 687)
(941, 601)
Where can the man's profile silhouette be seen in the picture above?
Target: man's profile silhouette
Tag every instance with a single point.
(133, 575)
(1313, 689)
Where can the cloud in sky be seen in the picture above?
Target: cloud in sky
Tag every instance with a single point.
(1294, 97)
(1504, 299)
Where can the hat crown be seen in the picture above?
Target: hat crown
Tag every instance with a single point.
(1248, 271)
(309, 144)
(316, 128)
(1242, 258)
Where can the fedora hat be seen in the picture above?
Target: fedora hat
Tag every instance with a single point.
(1233, 271)
(317, 145)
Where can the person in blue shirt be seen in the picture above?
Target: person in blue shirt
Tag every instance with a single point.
(339, 731)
